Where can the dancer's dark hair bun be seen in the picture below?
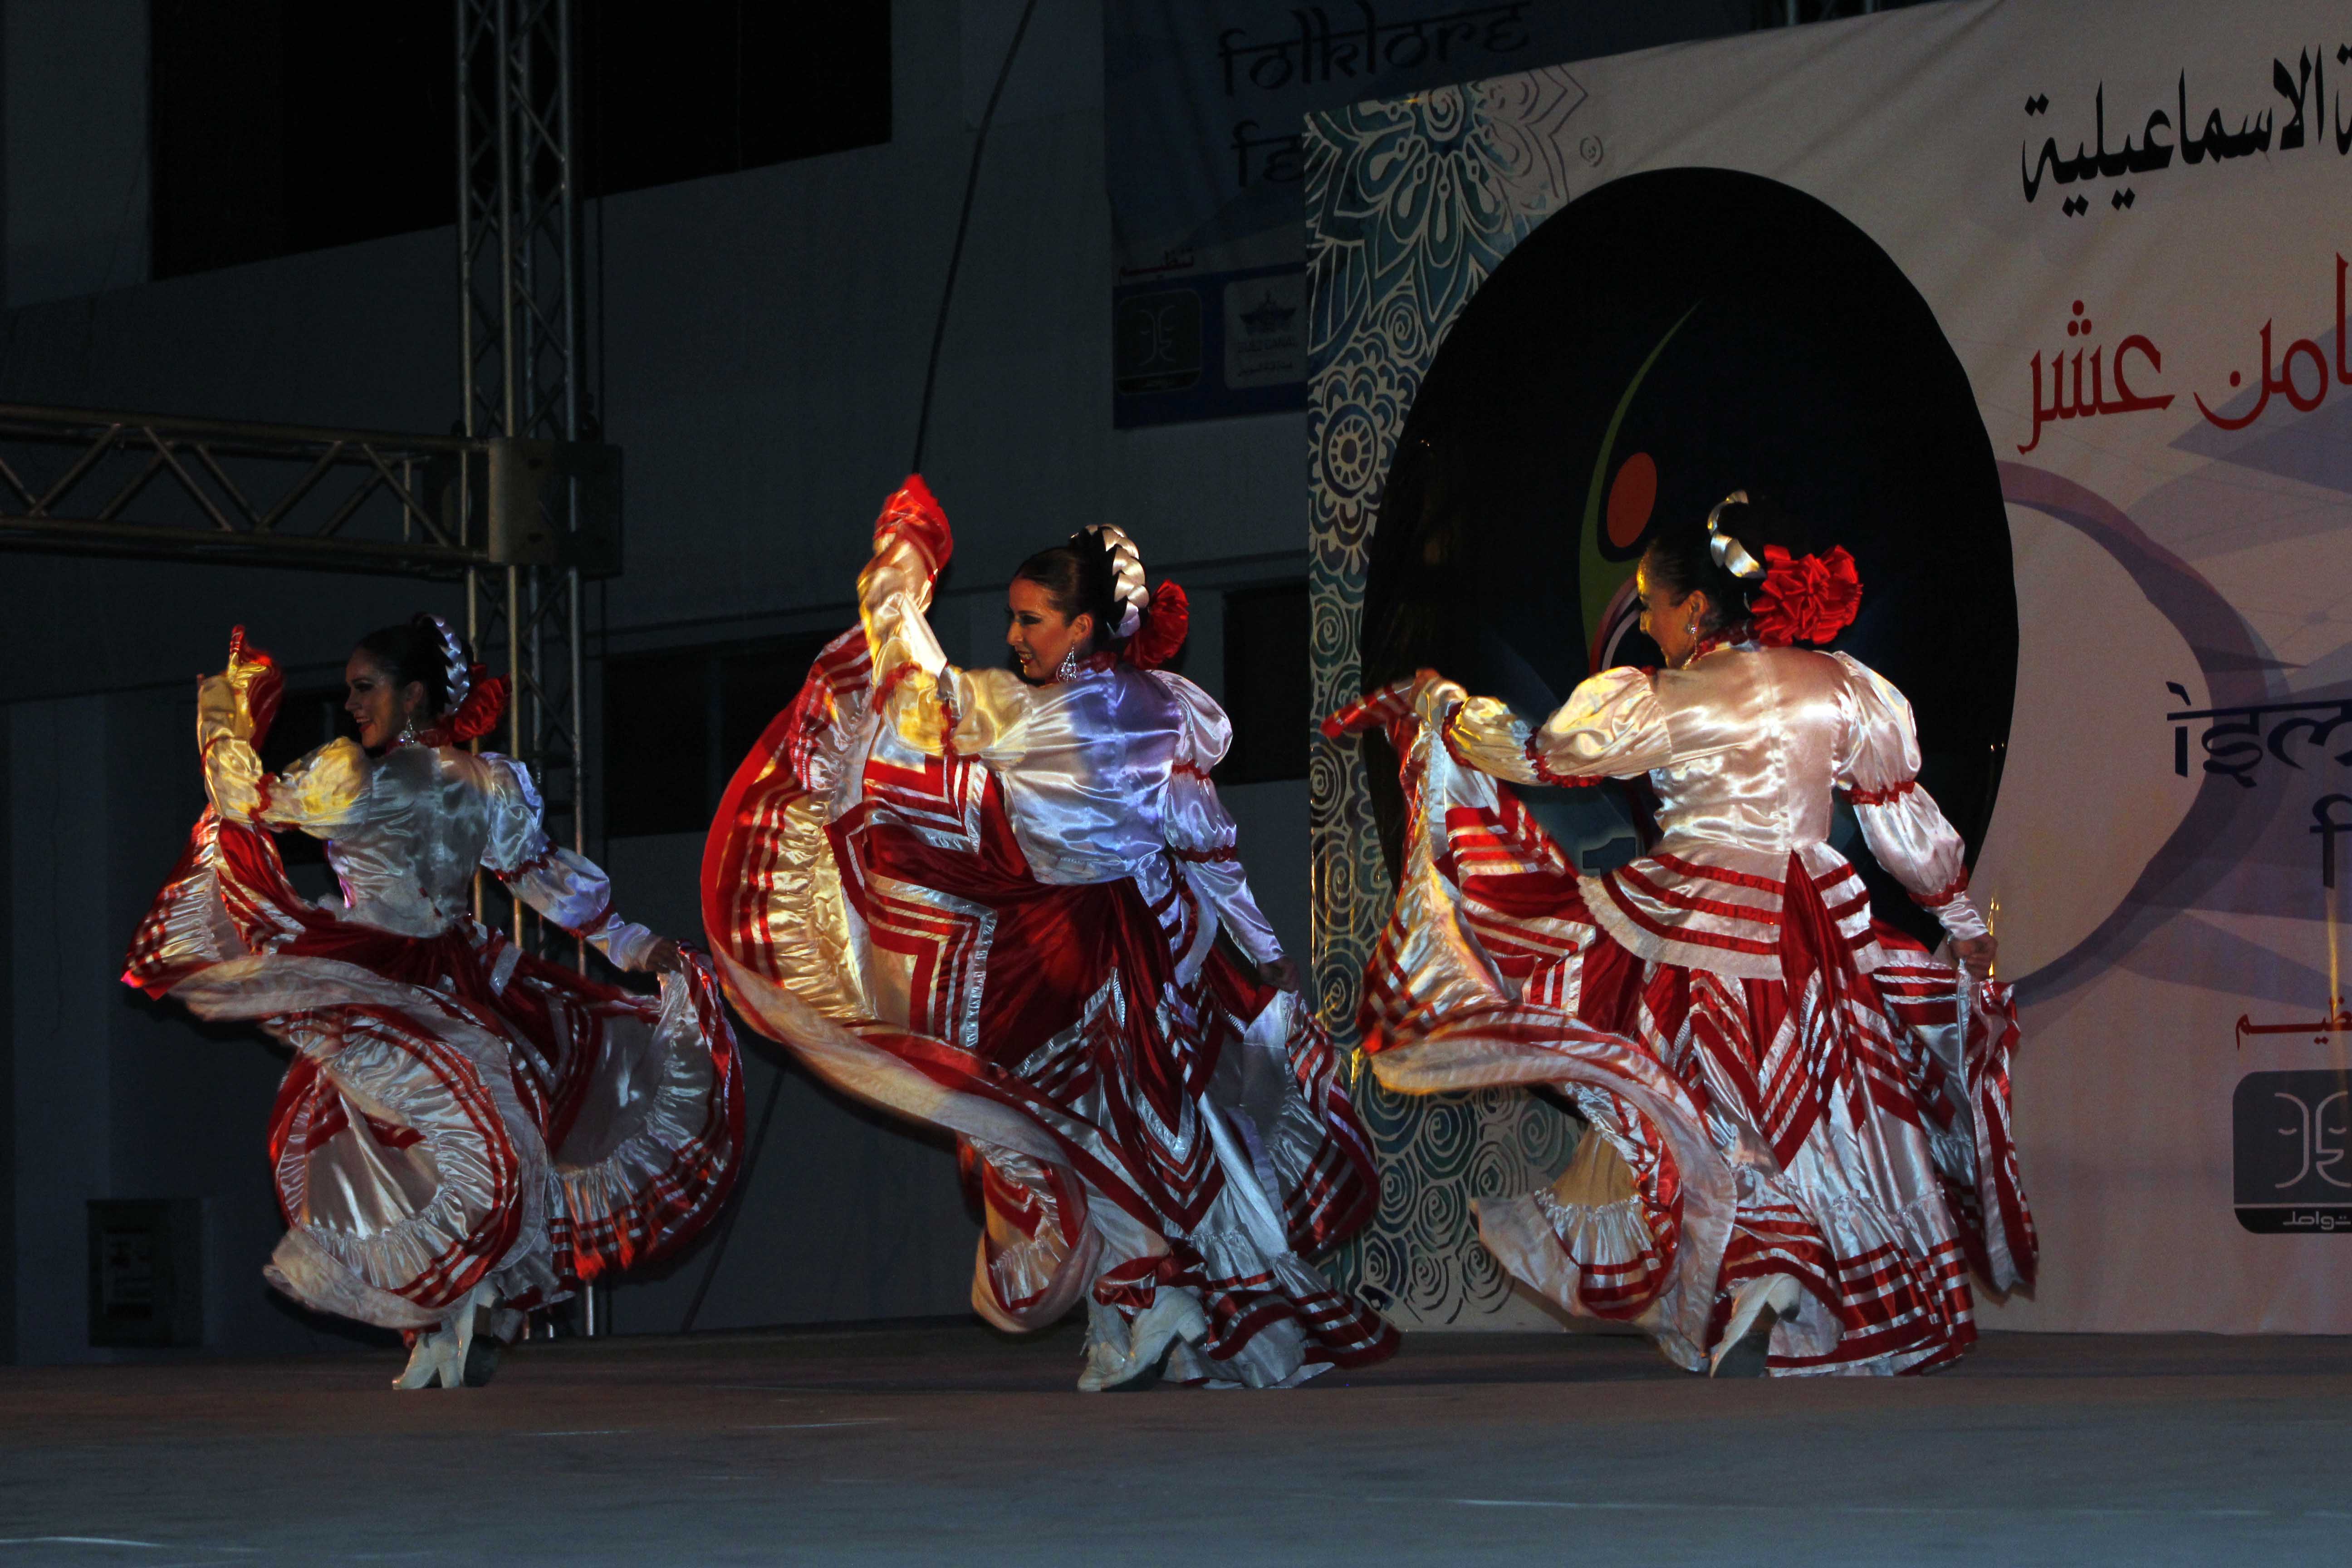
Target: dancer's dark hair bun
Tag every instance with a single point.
(416, 651)
(1681, 556)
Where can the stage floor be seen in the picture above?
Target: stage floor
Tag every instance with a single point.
(953, 1445)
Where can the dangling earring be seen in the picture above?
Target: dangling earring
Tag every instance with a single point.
(1069, 666)
(407, 736)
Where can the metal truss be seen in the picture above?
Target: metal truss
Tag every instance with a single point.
(523, 337)
(520, 504)
(82, 482)
(522, 332)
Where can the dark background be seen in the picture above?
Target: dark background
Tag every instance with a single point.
(1809, 369)
(289, 125)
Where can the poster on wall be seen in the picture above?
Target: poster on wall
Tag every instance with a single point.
(2044, 319)
(1202, 101)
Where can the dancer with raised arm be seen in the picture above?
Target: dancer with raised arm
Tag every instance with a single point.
(467, 1131)
(990, 901)
(1802, 1118)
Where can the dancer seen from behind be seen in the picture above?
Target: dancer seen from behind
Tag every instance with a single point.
(990, 901)
(467, 1131)
(1802, 1119)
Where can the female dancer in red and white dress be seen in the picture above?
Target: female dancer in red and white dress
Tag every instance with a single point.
(467, 1131)
(990, 903)
(1803, 1119)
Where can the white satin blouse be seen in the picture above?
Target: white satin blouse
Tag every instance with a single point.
(404, 831)
(1745, 747)
(1104, 774)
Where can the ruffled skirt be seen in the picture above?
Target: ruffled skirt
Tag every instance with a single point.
(1847, 1131)
(457, 1114)
(1137, 1119)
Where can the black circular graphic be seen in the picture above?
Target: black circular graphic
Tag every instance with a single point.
(1654, 345)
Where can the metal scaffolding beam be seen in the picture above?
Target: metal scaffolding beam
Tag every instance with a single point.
(87, 481)
(522, 339)
(519, 503)
(522, 333)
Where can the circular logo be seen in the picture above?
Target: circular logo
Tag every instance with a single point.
(1654, 345)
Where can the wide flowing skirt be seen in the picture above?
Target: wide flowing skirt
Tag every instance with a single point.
(457, 1114)
(1848, 1130)
(1133, 1113)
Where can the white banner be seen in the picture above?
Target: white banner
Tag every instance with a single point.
(2131, 225)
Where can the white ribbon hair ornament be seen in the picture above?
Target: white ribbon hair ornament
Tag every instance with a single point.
(455, 677)
(1126, 574)
(1726, 552)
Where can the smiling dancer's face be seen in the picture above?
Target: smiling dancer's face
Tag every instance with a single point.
(1040, 635)
(378, 706)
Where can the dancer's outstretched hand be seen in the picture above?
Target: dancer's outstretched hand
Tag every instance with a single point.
(665, 959)
(1976, 954)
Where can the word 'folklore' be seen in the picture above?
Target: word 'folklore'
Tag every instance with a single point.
(1321, 51)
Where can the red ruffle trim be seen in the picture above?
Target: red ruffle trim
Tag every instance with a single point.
(264, 690)
(1544, 771)
(1942, 896)
(913, 514)
(1887, 796)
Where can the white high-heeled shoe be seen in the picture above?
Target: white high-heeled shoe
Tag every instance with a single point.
(1756, 1307)
(1113, 1367)
(440, 1356)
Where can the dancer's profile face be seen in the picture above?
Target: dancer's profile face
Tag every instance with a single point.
(1673, 621)
(1038, 634)
(377, 704)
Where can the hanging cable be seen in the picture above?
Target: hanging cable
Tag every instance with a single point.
(963, 223)
(914, 465)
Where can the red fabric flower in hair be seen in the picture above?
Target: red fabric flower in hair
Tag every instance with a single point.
(1805, 598)
(480, 714)
(912, 512)
(1162, 635)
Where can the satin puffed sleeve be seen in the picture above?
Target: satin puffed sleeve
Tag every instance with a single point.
(1199, 831)
(1609, 727)
(321, 795)
(930, 702)
(567, 888)
(1879, 771)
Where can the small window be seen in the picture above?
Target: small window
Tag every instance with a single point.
(278, 127)
(657, 734)
(1269, 689)
(677, 723)
(691, 87)
(757, 684)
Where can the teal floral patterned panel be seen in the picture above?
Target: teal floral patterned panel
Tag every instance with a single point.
(1409, 206)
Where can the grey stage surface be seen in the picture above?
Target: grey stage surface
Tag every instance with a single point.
(952, 1446)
